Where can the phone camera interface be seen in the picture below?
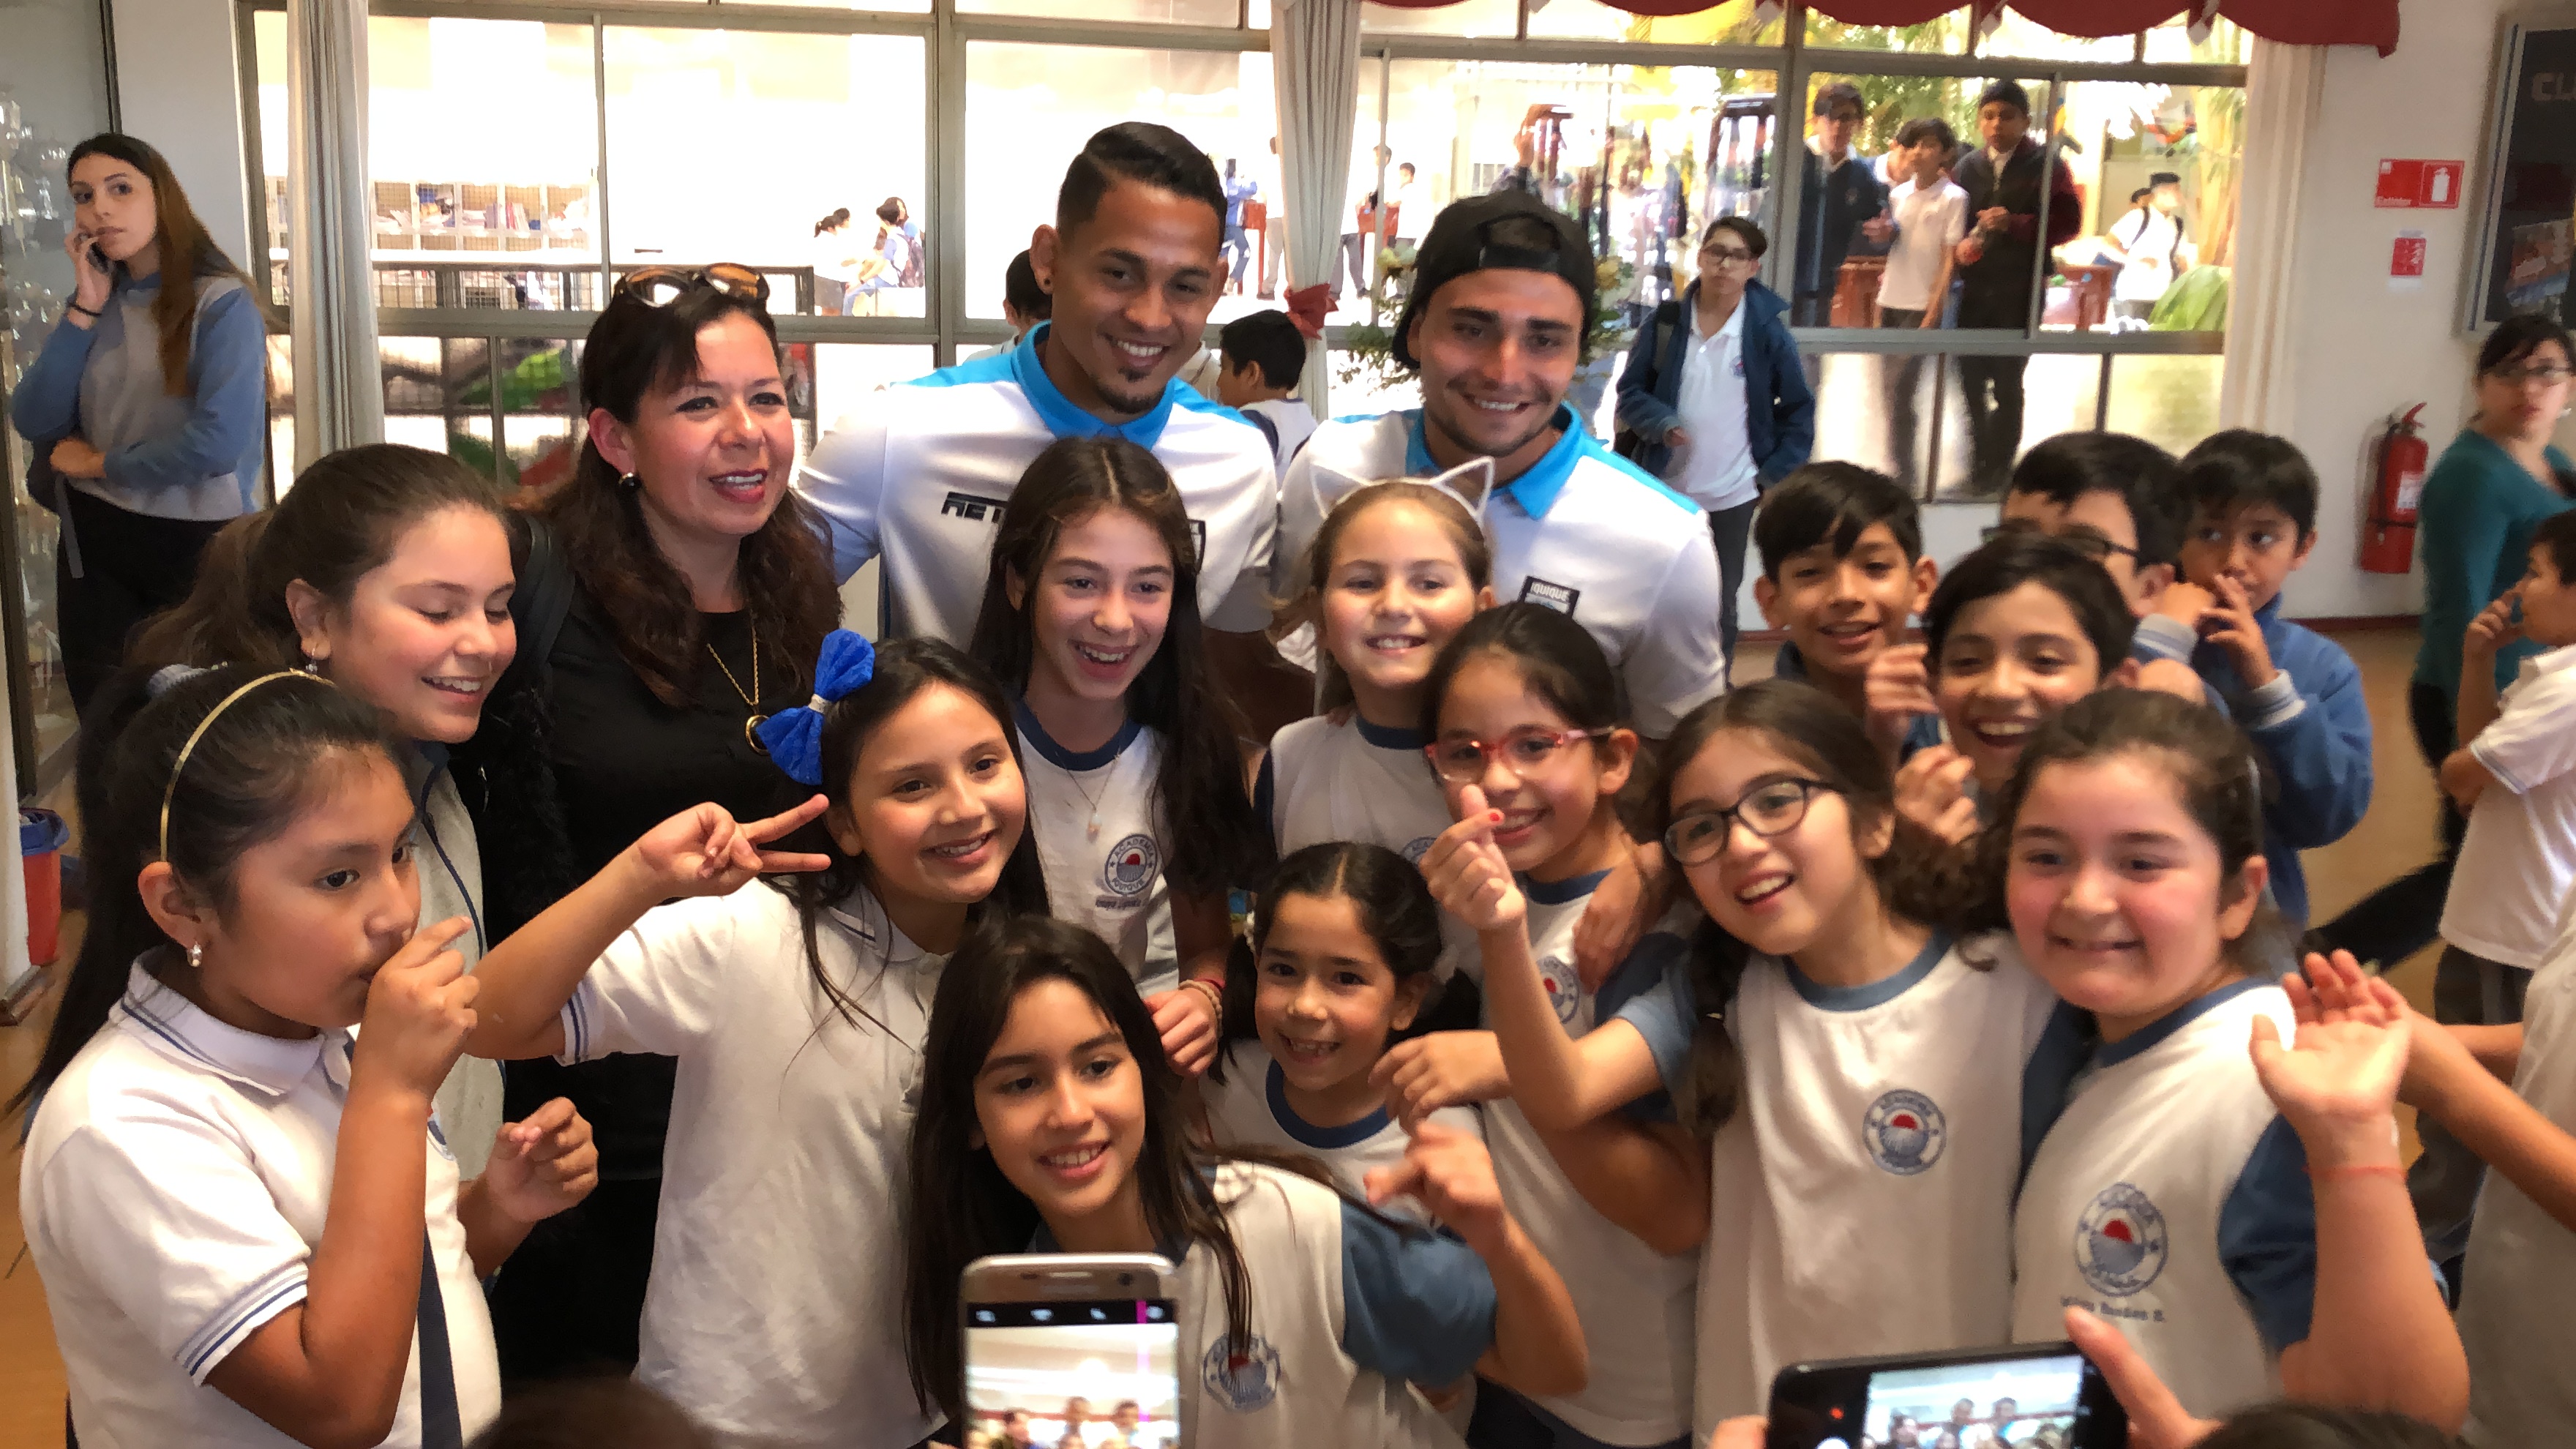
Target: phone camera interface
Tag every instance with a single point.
(1073, 1374)
(2033, 1402)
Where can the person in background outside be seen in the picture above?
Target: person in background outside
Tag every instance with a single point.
(834, 266)
(1839, 204)
(1931, 217)
(1025, 304)
(149, 401)
(1238, 247)
(2008, 180)
(1274, 226)
(1406, 195)
(2147, 243)
(1264, 355)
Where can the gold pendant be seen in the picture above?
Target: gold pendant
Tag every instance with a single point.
(751, 733)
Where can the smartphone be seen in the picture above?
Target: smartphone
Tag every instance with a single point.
(1071, 1352)
(2040, 1394)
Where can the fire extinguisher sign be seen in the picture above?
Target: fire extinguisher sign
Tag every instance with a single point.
(2419, 184)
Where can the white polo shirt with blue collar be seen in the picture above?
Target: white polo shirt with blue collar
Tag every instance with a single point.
(1583, 530)
(918, 474)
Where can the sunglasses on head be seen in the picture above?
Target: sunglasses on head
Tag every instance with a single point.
(660, 286)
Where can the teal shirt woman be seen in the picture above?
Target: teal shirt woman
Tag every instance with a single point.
(2480, 505)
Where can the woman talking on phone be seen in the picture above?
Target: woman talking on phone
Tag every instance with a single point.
(149, 401)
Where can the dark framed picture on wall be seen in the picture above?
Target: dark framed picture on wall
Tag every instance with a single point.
(2527, 221)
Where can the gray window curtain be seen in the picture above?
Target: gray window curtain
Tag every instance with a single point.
(339, 392)
(1315, 55)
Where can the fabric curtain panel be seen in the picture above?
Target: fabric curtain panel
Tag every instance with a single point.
(2284, 88)
(339, 382)
(1315, 55)
(2292, 22)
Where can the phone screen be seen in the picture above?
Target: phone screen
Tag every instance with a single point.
(2048, 1399)
(1073, 1374)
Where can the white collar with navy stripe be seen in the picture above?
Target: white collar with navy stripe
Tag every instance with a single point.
(177, 1028)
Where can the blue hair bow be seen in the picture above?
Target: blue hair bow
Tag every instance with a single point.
(794, 737)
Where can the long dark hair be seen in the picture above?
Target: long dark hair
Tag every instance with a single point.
(1917, 878)
(1218, 841)
(187, 252)
(1558, 659)
(250, 774)
(787, 585)
(961, 1205)
(1395, 909)
(338, 524)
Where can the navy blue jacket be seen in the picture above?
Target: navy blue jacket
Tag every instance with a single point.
(1780, 410)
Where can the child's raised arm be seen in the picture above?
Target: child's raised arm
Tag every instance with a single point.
(1650, 1179)
(702, 851)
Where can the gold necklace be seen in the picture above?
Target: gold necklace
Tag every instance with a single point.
(751, 697)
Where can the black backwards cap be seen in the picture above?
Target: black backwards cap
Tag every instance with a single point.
(1507, 229)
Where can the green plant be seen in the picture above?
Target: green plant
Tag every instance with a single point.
(1368, 348)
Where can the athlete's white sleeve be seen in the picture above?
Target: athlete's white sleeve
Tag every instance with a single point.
(1245, 608)
(1679, 657)
(844, 480)
(1301, 516)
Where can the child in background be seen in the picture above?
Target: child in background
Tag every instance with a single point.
(2516, 780)
(1135, 781)
(230, 1211)
(1830, 1038)
(2241, 1218)
(2021, 628)
(1843, 572)
(2297, 693)
(1931, 216)
(1263, 355)
(2118, 499)
(1050, 1122)
(1339, 965)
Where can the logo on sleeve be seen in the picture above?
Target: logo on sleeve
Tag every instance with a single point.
(1905, 1132)
(974, 508)
(1560, 597)
(1131, 866)
(1242, 1381)
(1418, 847)
(2120, 1241)
(1564, 987)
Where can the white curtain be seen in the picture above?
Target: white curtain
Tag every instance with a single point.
(2284, 87)
(1315, 63)
(339, 387)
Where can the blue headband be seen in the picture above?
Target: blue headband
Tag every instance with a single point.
(794, 737)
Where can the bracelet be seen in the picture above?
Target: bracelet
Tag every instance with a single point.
(84, 311)
(1215, 995)
(2358, 1169)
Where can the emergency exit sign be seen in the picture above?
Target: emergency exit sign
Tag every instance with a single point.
(2411, 184)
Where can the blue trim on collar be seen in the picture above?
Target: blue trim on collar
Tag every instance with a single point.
(1390, 737)
(1536, 489)
(996, 368)
(2148, 1037)
(1062, 758)
(1062, 418)
(1308, 1134)
(1559, 892)
(1876, 993)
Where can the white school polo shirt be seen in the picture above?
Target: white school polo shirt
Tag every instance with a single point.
(1251, 1106)
(176, 1182)
(2519, 857)
(775, 1309)
(1582, 531)
(1928, 224)
(2169, 1197)
(1715, 469)
(2521, 1267)
(1861, 1195)
(1097, 820)
(917, 476)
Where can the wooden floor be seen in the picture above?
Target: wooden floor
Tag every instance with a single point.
(2395, 837)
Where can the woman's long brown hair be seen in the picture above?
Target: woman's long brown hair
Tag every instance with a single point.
(187, 252)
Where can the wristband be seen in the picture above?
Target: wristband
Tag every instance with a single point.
(2358, 1169)
(1215, 996)
(84, 311)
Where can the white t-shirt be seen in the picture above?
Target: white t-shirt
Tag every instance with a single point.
(1292, 420)
(2170, 1198)
(1899, 1104)
(1583, 531)
(1715, 469)
(176, 1182)
(1323, 781)
(1928, 224)
(2150, 238)
(1102, 840)
(1251, 1107)
(2519, 857)
(918, 475)
(1635, 1303)
(2521, 1263)
(775, 1309)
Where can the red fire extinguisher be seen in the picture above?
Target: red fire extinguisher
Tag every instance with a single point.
(2388, 538)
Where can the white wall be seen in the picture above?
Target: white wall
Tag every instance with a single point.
(177, 85)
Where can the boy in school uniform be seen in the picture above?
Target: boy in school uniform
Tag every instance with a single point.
(2516, 781)
(1263, 355)
(1843, 572)
(2296, 693)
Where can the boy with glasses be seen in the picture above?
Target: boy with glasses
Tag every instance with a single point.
(1839, 199)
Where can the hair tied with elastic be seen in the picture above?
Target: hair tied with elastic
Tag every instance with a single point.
(169, 677)
(794, 737)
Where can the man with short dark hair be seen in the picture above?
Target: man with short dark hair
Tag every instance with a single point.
(2008, 179)
(917, 475)
(1839, 205)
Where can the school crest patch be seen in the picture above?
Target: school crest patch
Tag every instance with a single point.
(2120, 1241)
(1131, 866)
(1242, 1381)
(1418, 847)
(1564, 987)
(1904, 1132)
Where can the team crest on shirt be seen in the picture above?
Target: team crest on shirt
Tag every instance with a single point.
(2120, 1241)
(1549, 594)
(1242, 1381)
(1564, 987)
(1418, 847)
(1905, 1132)
(1130, 866)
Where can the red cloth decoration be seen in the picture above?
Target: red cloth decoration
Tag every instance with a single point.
(1308, 307)
(2292, 22)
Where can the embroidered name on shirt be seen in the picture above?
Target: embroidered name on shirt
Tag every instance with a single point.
(1560, 597)
(972, 508)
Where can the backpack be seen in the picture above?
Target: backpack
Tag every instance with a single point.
(1625, 440)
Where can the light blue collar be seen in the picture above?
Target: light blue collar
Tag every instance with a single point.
(1062, 418)
(1535, 490)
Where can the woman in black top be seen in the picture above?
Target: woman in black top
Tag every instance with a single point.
(673, 594)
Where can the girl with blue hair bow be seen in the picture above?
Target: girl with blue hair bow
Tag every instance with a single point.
(797, 1014)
